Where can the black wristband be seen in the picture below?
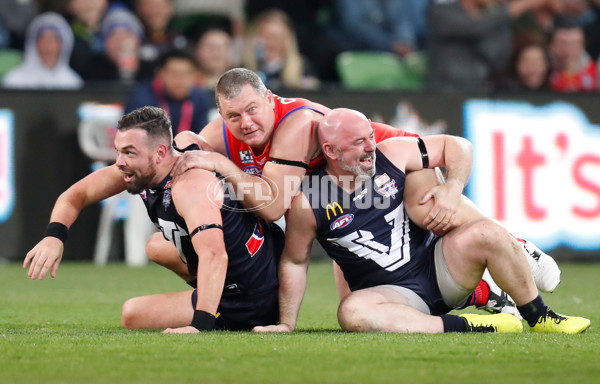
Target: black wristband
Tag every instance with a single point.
(203, 321)
(58, 230)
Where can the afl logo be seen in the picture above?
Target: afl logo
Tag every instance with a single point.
(342, 221)
(252, 170)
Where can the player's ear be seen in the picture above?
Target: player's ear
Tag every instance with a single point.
(329, 151)
(161, 152)
(270, 98)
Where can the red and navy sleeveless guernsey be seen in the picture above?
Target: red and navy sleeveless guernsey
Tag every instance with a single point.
(243, 156)
(249, 162)
(253, 247)
(369, 234)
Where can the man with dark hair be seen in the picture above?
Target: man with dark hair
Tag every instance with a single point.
(174, 89)
(572, 68)
(214, 51)
(231, 256)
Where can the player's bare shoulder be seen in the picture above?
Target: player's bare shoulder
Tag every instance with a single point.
(399, 150)
(213, 134)
(197, 186)
(296, 136)
(209, 139)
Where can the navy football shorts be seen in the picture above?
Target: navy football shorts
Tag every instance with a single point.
(244, 312)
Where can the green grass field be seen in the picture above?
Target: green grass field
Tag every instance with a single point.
(67, 330)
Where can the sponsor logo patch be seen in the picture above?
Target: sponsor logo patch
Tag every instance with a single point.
(166, 201)
(333, 207)
(360, 195)
(256, 240)
(252, 170)
(342, 221)
(389, 189)
(246, 156)
(380, 180)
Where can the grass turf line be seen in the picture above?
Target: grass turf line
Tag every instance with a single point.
(67, 330)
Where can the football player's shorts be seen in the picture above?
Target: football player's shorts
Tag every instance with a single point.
(241, 312)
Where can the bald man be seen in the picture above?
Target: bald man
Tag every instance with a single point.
(262, 134)
(402, 278)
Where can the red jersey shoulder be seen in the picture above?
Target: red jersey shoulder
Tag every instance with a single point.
(384, 131)
(283, 106)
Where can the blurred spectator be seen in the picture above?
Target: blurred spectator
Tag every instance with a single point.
(18, 15)
(573, 70)
(174, 89)
(396, 26)
(192, 15)
(85, 18)
(312, 21)
(271, 49)
(470, 41)
(213, 52)
(529, 67)
(48, 45)
(159, 35)
(122, 34)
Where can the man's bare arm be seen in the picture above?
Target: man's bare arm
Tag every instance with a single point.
(199, 205)
(452, 152)
(209, 139)
(299, 235)
(47, 254)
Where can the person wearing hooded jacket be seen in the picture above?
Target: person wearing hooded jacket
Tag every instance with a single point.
(48, 46)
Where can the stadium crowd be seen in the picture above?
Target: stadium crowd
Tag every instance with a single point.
(461, 45)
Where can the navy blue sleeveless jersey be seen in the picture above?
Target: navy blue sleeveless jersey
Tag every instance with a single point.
(369, 234)
(252, 245)
(250, 294)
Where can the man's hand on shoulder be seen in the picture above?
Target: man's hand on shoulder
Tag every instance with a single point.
(196, 159)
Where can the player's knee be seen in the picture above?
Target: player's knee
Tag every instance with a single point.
(486, 234)
(130, 314)
(353, 314)
(153, 247)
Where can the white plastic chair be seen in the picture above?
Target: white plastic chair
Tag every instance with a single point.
(95, 135)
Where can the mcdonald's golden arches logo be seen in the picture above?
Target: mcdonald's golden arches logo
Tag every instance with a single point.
(333, 207)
